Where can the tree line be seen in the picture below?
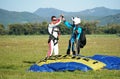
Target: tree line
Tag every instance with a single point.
(41, 28)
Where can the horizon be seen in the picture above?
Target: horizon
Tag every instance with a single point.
(60, 9)
(67, 5)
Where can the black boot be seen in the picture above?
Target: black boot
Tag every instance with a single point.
(74, 55)
(68, 52)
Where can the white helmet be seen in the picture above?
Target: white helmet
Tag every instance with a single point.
(76, 20)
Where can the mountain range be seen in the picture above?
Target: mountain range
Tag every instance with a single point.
(104, 15)
(98, 11)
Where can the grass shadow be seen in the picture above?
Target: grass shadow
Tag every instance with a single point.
(29, 62)
(8, 67)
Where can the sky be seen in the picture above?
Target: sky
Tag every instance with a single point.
(65, 5)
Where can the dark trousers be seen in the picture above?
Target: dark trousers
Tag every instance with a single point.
(73, 46)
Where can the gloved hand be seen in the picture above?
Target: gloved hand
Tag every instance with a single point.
(62, 16)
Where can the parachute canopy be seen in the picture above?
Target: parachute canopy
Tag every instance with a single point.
(62, 63)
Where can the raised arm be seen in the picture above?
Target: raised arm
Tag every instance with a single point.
(68, 24)
(55, 24)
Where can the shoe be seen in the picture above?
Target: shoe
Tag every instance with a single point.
(68, 51)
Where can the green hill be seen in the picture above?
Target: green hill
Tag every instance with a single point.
(8, 17)
(102, 14)
(112, 19)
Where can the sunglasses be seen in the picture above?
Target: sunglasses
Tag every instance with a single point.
(54, 19)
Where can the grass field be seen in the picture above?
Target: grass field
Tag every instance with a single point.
(18, 53)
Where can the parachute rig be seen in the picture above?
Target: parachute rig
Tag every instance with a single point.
(82, 63)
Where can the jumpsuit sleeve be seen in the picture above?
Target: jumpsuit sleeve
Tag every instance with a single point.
(79, 33)
(68, 24)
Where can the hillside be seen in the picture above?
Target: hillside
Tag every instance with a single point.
(98, 12)
(48, 12)
(112, 19)
(8, 17)
(104, 15)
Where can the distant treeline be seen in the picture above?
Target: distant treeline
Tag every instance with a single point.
(41, 28)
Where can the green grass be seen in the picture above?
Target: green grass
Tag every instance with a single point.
(18, 53)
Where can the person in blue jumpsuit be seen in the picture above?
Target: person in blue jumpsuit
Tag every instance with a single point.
(76, 32)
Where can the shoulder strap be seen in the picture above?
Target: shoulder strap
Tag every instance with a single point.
(52, 30)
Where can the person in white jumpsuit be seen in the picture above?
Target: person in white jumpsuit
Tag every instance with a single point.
(53, 29)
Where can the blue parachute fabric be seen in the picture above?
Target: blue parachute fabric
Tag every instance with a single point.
(59, 66)
(112, 62)
(70, 66)
(43, 68)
